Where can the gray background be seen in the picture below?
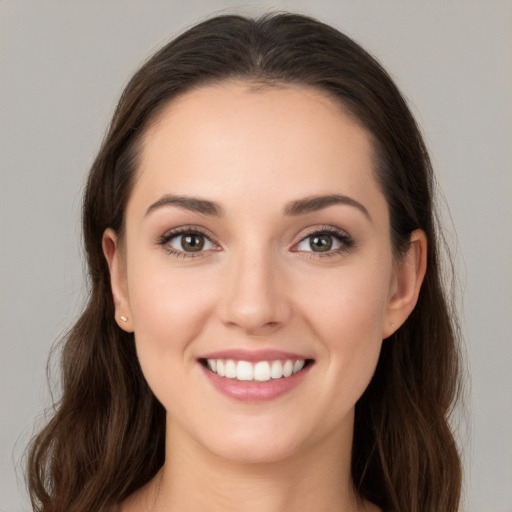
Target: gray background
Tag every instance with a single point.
(62, 67)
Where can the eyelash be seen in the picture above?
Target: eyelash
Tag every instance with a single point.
(345, 240)
(169, 235)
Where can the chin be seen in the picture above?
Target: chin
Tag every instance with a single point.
(250, 452)
(258, 444)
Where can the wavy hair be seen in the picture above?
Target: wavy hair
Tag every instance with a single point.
(106, 437)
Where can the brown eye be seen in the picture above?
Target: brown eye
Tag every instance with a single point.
(325, 242)
(192, 242)
(187, 242)
(321, 242)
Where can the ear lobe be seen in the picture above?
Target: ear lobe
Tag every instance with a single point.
(118, 282)
(409, 276)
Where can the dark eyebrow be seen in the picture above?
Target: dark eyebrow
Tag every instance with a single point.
(314, 203)
(193, 204)
(297, 207)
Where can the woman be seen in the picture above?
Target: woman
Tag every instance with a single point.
(267, 326)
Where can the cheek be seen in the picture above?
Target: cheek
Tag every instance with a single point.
(348, 304)
(347, 318)
(168, 306)
(169, 312)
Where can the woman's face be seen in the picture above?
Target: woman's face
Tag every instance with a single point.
(257, 243)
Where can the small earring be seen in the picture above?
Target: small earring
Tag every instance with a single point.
(123, 318)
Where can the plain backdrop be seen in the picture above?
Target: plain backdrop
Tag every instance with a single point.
(62, 67)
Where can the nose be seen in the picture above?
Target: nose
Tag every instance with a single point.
(255, 297)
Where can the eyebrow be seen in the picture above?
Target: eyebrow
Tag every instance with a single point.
(315, 203)
(297, 207)
(194, 204)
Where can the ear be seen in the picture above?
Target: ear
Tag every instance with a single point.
(118, 281)
(406, 285)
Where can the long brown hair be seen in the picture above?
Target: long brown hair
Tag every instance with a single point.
(106, 438)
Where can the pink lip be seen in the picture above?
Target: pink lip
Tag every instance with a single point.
(251, 391)
(253, 356)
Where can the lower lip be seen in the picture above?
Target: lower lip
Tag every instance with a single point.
(253, 391)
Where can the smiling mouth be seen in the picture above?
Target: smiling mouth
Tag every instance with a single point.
(261, 371)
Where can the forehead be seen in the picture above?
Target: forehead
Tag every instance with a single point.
(207, 106)
(234, 139)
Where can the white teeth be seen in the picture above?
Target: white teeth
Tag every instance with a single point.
(220, 368)
(244, 371)
(261, 371)
(230, 369)
(288, 368)
(276, 370)
(299, 364)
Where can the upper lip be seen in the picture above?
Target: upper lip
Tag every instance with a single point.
(254, 355)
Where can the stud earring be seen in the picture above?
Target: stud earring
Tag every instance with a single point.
(123, 318)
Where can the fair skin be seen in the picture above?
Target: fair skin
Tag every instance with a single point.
(249, 267)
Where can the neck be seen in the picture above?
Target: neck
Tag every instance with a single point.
(318, 478)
